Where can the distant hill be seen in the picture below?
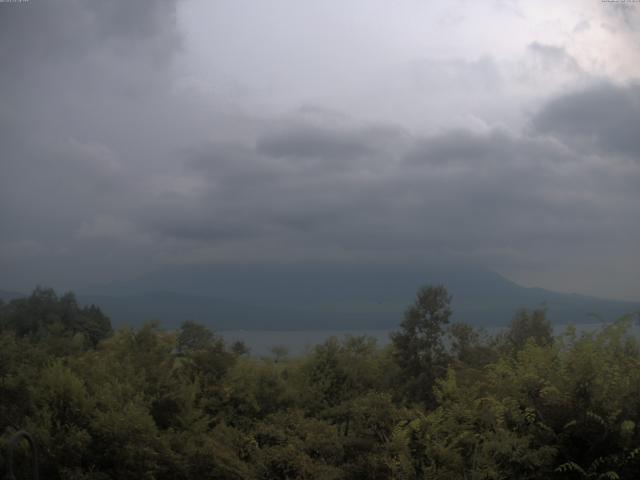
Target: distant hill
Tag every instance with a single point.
(331, 297)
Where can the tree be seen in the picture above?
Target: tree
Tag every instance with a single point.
(279, 352)
(527, 326)
(193, 336)
(45, 315)
(240, 348)
(469, 348)
(418, 346)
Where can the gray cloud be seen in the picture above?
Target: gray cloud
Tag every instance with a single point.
(60, 30)
(118, 157)
(76, 78)
(459, 147)
(337, 191)
(477, 75)
(552, 56)
(454, 194)
(319, 143)
(604, 116)
(623, 14)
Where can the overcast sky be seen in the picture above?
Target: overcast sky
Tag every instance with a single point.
(141, 134)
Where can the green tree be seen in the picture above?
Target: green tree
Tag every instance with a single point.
(527, 326)
(44, 315)
(418, 346)
(193, 336)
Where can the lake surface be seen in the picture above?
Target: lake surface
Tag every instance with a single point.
(299, 341)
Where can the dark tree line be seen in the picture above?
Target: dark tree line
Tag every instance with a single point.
(441, 401)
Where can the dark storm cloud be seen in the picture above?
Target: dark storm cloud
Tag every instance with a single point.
(319, 143)
(142, 18)
(461, 147)
(59, 30)
(109, 166)
(502, 190)
(209, 228)
(68, 70)
(604, 116)
(248, 193)
(299, 178)
(455, 193)
(75, 80)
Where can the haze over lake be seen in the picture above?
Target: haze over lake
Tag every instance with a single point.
(297, 342)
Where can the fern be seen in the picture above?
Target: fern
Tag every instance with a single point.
(611, 475)
(571, 467)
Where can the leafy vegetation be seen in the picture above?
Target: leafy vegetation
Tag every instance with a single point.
(441, 401)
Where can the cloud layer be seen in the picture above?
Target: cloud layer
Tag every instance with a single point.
(125, 151)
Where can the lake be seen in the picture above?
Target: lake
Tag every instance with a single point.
(298, 341)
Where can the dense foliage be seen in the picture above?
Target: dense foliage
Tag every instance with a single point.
(442, 401)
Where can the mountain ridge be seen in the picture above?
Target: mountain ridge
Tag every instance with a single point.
(329, 297)
(360, 296)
